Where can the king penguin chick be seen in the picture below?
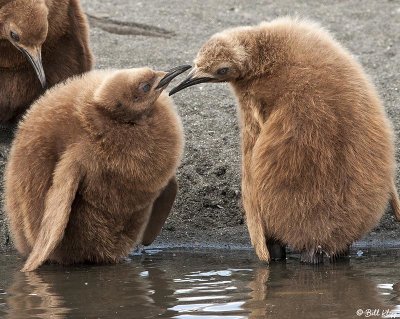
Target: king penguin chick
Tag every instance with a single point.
(89, 160)
(318, 165)
(42, 42)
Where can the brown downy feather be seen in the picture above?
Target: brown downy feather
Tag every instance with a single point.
(317, 147)
(395, 202)
(90, 159)
(58, 29)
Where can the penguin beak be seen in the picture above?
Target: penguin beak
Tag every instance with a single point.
(170, 75)
(34, 56)
(194, 77)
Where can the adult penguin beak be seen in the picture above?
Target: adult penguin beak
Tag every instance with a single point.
(194, 77)
(34, 56)
(170, 75)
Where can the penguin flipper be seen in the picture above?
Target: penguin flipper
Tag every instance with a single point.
(59, 199)
(395, 202)
(161, 209)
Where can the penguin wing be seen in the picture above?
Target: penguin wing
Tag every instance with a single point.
(59, 199)
(161, 209)
(394, 201)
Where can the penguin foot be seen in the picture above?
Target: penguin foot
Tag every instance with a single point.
(312, 256)
(343, 256)
(276, 250)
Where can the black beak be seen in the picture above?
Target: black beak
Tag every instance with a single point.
(36, 60)
(172, 74)
(190, 80)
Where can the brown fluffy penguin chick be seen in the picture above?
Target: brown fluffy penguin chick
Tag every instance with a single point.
(42, 42)
(89, 159)
(317, 147)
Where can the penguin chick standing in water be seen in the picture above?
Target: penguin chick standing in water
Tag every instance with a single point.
(317, 147)
(88, 166)
(42, 42)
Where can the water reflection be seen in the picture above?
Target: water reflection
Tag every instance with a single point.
(190, 285)
(299, 291)
(30, 296)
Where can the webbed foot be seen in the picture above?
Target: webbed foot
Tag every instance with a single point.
(343, 256)
(277, 250)
(312, 256)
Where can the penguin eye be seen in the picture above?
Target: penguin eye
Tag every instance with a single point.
(14, 36)
(222, 71)
(146, 87)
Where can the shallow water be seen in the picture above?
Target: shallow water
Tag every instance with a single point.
(191, 284)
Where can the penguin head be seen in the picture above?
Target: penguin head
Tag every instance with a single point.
(128, 94)
(24, 23)
(220, 59)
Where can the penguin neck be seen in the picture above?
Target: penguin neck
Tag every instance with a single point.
(265, 72)
(112, 132)
(118, 146)
(259, 94)
(11, 58)
(265, 89)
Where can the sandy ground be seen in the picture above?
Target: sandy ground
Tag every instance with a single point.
(163, 34)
